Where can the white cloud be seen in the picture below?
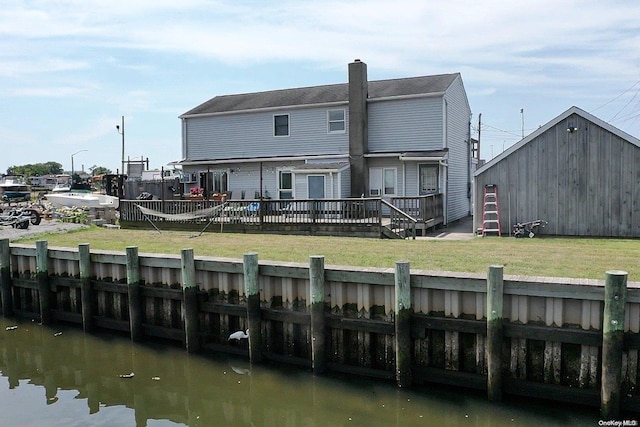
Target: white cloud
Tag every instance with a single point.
(124, 57)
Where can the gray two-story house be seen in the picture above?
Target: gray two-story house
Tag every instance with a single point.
(386, 138)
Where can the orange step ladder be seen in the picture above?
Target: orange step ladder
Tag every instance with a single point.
(490, 211)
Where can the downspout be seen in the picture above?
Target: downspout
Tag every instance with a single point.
(332, 187)
(404, 179)
(445, 144)
(469, 184)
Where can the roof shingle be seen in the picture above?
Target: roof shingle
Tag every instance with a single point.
(323, 94)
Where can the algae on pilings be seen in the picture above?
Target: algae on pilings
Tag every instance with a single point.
(42, 273)
(615, 295)
(403, 324)
(495, 291)
(5, 278)
(318, 338)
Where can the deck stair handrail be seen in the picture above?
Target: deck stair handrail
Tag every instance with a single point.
(401, 220)
(427, 209)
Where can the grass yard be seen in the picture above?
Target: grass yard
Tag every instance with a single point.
(540, 256)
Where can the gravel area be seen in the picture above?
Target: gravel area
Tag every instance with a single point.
(8, 232)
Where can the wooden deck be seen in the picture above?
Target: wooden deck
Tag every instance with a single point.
(362, 217)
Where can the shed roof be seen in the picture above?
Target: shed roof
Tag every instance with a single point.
(542, 129)
(326, 94)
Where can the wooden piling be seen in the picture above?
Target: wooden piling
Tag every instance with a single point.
(5, 278)
(252, 291)
(316, 283)
(42, 272)
(86, 290)
(135, 297)
(495, 294)
(615, 295)
(190, 301)
(403, 324)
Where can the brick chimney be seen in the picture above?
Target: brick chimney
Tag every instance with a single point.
(358, 129)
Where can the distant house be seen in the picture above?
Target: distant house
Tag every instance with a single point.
(386, 138)
(577, 172)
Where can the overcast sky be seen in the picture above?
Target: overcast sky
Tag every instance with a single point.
(69, 69)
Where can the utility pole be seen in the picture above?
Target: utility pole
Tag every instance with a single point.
(479, 130)
(522, 113)
(121, 132)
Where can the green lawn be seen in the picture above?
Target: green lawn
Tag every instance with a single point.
(540, 256)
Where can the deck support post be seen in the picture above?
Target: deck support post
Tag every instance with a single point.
(135, 297)
(615, 295)
(42, 272)
(403, 324)
(252, 290)
(190, 301)
(318, 339)
(86, 291)
(5, 278)
(495, 296)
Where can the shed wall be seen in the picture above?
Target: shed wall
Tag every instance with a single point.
(584, 183)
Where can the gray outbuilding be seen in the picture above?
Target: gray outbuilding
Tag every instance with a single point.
(577, 172)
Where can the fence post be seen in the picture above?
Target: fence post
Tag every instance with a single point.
(42, 271)
(403, 324)
(135, 299)
(190, 301)
(495, 295)
(615, 295)
(5, 278)
(252, 290)
(316, 283)
(86, 291)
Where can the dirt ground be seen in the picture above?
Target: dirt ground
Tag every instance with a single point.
(54, 226)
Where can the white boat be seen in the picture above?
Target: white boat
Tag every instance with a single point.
(61, 188)
(80, 199)
(63, 183)
(13, 188)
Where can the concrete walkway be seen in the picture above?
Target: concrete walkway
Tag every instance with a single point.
(458, 230)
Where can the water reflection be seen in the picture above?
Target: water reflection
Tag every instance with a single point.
(75, 379)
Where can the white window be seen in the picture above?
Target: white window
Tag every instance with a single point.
(335, 121)
(281, 125)
(285, 185)
(428, 179)
(382, 181)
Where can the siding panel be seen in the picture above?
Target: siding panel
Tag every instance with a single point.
(405, 125)
(250, 135)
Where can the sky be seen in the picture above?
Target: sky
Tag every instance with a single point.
(71, 69)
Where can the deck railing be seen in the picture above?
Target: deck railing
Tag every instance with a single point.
(354, 216)
(258, 212)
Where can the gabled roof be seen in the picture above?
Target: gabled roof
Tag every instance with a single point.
(326, 94)
(573, 110)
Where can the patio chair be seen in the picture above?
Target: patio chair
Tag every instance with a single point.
(252, 209)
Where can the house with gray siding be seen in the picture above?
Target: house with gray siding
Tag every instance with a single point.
(577, 172)
(384, 138)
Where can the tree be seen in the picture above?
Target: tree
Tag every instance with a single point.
(99, 170)
(36, 169)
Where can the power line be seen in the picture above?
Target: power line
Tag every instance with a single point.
(610, 101)
(625, 105)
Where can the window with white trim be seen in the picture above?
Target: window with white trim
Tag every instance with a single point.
(336, 121)
(428, 179)
(383, 181)
(281, 125)
(285, 185)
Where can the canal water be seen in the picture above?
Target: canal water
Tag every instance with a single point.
(62, 377)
